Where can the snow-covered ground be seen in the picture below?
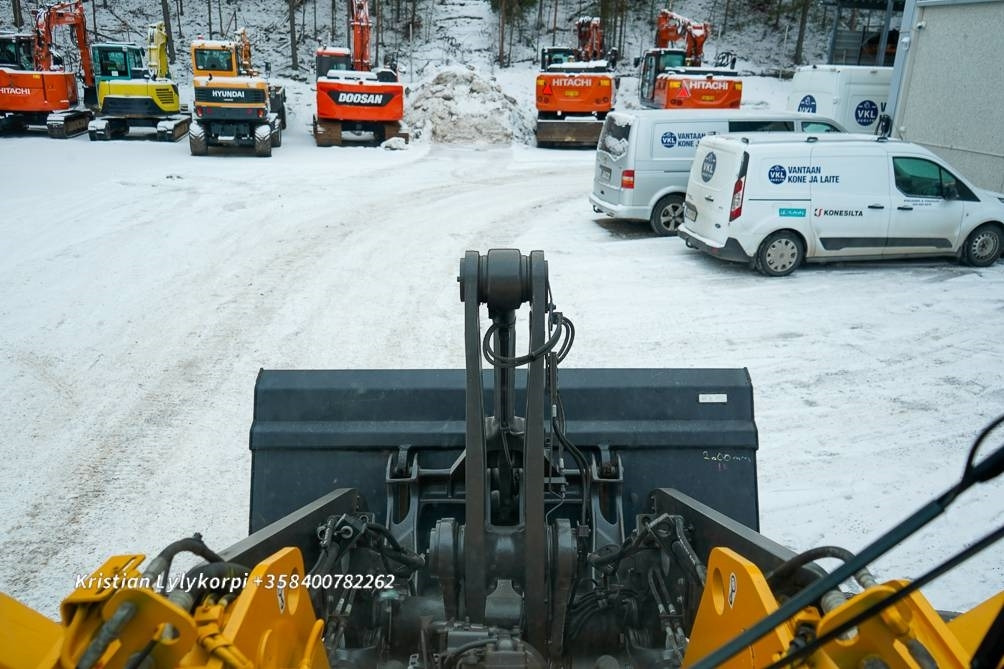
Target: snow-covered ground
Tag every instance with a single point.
(143, 289)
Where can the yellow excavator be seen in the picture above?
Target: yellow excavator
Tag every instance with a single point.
(510, 518)
(135, 89)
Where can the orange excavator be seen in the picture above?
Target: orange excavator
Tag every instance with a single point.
(675, 78)
(575, 89)
(352, 96)
(35, 89)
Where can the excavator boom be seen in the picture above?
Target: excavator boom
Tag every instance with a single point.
(63, 14)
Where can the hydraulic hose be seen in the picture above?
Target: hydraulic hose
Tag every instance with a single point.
(159, 566)
(863, 577)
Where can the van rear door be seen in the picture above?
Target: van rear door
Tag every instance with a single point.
(612, 158)
(718, 170)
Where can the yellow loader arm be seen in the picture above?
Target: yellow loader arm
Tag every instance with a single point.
(115, 617)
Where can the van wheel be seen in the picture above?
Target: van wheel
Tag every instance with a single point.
(667, 215)
(780, 254)
(983, 246)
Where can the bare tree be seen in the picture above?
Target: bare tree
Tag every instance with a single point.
(502, 22)
(802, 19)
(333, 37)
(18, 17)
(167, 24)
(209, 10)
(292, 35)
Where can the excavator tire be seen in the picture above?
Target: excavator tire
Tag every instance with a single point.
(263, 141)
(197, 143)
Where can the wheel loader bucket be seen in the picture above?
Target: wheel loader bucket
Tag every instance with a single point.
(372, 430)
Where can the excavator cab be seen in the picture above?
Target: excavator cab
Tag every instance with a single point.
(118, 61)
(213, 59)
(16, 51)
(332, 58)
(557, 55)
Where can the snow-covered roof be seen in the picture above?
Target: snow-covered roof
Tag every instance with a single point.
(580, 66)
(212, 44)
(351, 75)
(236, 82)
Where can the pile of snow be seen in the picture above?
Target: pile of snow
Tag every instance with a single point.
(460, 105)
(395, 144)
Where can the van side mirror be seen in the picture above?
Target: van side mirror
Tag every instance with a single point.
(950, 192)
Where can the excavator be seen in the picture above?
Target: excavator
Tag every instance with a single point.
(134, 91)
(514, 517)
(234, 104)
(352, 95)
(35, 89)
(575, 89)
(675, 78)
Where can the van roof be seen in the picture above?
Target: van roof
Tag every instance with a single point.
(777, 139)
(843, 68)
(717, 114)
(803, 138)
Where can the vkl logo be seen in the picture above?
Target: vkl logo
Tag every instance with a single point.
(866, 113)
(807, 104)
(777, 174)
(817, 212)
(708, 167)
(668, 140)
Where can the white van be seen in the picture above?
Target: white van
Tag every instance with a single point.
(853, 95)
(643, 157)
(774, 201)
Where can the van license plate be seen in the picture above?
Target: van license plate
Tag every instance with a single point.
(690, 211)
(604, 174)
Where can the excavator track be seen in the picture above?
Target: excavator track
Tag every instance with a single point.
(329, 133)
(62, 125)
(174, 128)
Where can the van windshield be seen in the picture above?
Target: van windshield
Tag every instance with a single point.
(614, 136)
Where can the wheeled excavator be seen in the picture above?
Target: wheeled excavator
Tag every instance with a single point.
(135, 89)
(353, 96)
(35, 89)
(234, 104)
(575, 89)
(518, 517)
(677, 78)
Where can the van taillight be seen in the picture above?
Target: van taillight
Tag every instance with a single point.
(737, 198)
(627, 179)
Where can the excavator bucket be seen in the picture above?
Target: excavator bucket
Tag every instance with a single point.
(389, 433)
(569, 132)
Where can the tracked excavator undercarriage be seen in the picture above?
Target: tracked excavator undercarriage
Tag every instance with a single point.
(514, 519)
